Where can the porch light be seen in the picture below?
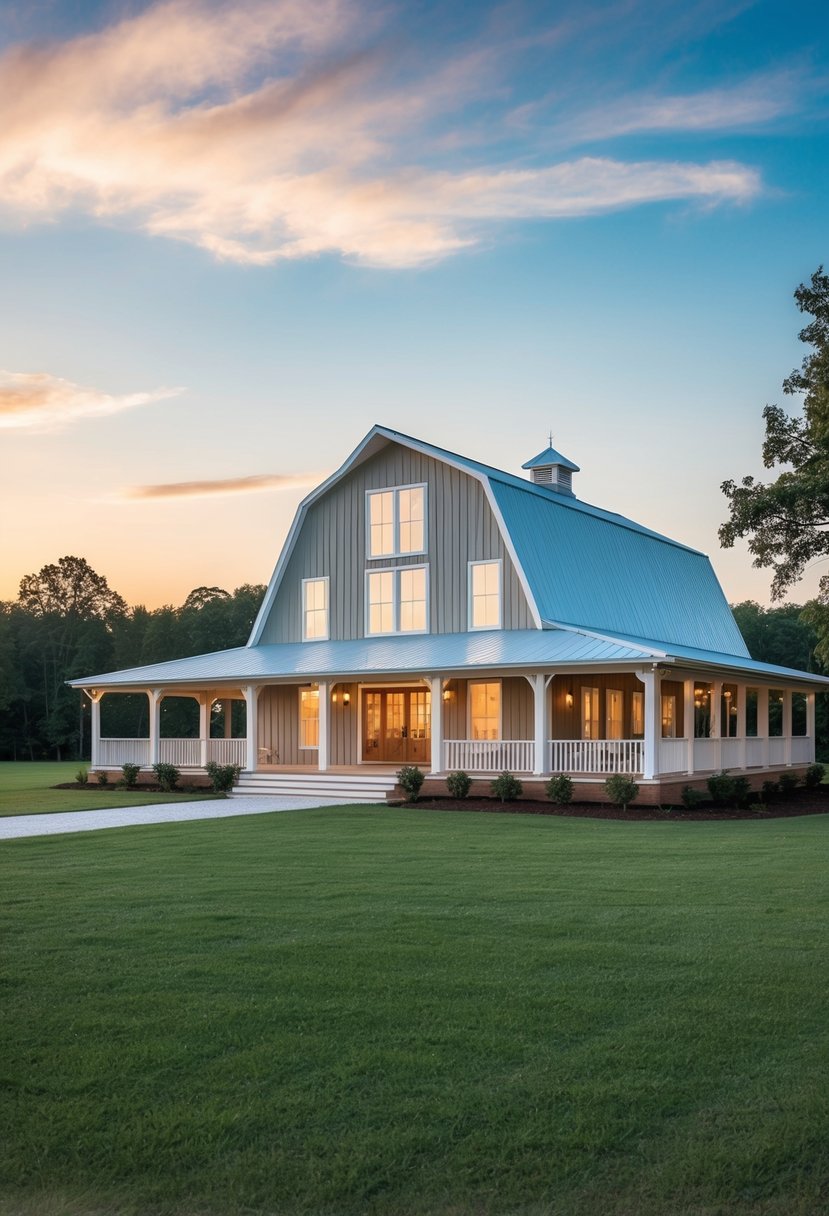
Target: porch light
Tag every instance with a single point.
(447, 694)
(727, 694)
(335, 696)
(568, 700)
(346, 698)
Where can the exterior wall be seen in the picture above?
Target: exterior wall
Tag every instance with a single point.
(279, 726)
(342, 725)
(565, 723)
(332, 543)
(516, 709)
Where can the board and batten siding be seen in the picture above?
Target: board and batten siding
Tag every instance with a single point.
(279, 725)
(332, 543)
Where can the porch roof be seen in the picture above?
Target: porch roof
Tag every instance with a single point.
(421, 654)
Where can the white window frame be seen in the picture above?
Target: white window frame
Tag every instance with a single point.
(318, 637)
(500, 684)
(587, 690)
(486, 561)
(396, 631)
(395, 492)
(307, 747)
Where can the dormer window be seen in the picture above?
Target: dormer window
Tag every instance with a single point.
(396, 521)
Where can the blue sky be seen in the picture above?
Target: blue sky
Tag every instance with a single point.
(234, 236)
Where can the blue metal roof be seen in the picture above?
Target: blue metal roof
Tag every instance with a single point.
(550, 456)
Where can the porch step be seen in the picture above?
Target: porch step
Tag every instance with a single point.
(345, 786)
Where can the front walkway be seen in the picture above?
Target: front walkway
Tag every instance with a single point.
(61, 822)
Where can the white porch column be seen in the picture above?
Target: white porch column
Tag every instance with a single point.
(227, 713)
(787, 726)
(436, 711)
(741, 723)
(763, 720)
(155, 696)
(653, 719)
(205, 701)
(539, 687)
(689, 722)
(95, 725)
(251, 694)
(324, 688)
(810, 724)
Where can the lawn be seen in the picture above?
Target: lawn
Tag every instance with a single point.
(26, 789)
(415, 1013)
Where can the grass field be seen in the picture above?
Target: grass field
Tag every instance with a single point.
(405, 1012)
(25, 789)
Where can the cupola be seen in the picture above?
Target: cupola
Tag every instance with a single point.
(550, 468)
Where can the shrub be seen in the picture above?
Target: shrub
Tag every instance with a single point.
(223, 777)
(742, 791)
(560, 790)
(769, 791)
(130, 772)
(721, 788)
(166, 775)
(411, 779)
(82, 776)
(103, 778)
(621, 790)
(458, 784)
(691, 798)
(813, 776)
(788, 782)
(507, 788)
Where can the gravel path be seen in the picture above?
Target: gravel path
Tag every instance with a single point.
(14, 826)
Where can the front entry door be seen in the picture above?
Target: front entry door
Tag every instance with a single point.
(396, 726)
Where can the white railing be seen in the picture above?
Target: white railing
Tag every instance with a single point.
(595, 755)
(184, 753)
(227, 751)
(673, 755)
(731, 753)
(707, 755)
(777, 750)
(802, 749)
(122, 751)
(488, 755)
(755, 752)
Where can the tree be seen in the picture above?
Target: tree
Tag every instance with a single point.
(787, 520)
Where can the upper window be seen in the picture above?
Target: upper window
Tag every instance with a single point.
(485, 595)
(396, 521)
(397, 601)
(314, 609)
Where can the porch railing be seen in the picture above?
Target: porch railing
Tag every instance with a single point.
(183, 753)
(488, 755)
(227, 751)
(595, 755)
(123, 751)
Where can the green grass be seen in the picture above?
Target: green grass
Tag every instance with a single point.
(25, 789)
(417, 1014)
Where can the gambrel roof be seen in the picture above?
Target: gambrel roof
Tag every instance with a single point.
(579, 565)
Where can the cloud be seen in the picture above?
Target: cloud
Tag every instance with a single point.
(39, 401)
(227, 485)
(285, 129)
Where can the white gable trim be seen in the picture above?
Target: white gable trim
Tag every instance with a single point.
(356, 458)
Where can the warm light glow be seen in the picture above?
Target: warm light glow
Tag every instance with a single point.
(568, 700)
(335, 696)
(346, 698)
(447, 694)
(727, 694)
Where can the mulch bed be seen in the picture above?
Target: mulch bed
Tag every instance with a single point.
(799, 802)
(146, 787)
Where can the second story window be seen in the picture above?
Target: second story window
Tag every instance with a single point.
(396, 521)
(397, 600)
(485, 595)
(314, 609)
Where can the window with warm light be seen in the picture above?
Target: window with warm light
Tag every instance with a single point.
(637, 714)
(396, 521)
(485, 595)
(589, 713)
(484, 709)
(314, 609)
(614, 713)
(668, 716)
(309, 718)
(397, 601)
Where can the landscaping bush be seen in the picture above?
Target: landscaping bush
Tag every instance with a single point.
(411, 779)
(813, 776)
(507, 788)
(621, 790)
(82, 776)
(103, 778)
(223, 777)
(458, 784)
(769, 791)
(560, 790)
(130, 772)
(788, 782)
(721, 788)
(691, 798)
(167, 776)
(742, 791)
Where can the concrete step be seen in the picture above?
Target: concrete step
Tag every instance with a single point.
(344, 786)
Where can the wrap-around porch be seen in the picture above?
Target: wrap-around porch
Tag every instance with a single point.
(647, 723)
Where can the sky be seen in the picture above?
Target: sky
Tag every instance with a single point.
(233, 236)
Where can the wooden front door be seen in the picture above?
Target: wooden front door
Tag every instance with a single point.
(397, 726)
